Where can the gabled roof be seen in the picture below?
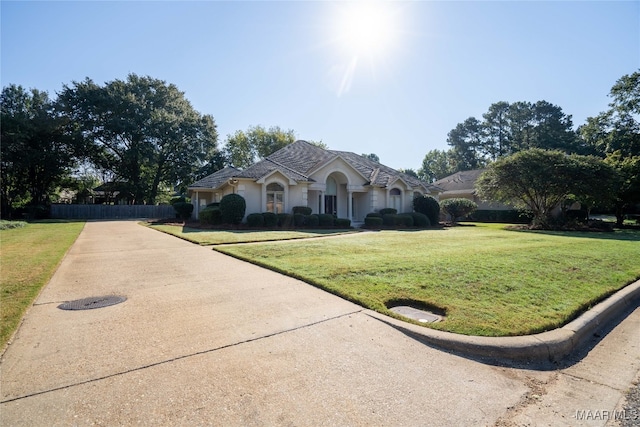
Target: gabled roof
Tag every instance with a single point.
(460, 182)
(297, 161)
(216, 179)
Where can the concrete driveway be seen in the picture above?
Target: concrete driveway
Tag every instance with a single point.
(205, 339)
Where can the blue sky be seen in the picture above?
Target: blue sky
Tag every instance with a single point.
(426, 67)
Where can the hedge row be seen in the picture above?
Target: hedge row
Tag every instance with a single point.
(407, 220)
(271, 220)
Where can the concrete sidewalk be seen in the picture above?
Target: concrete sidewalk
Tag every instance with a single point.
(205, 339)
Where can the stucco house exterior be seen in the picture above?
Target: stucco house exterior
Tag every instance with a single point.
(302, 174)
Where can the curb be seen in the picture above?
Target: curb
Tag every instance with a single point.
(546, 346)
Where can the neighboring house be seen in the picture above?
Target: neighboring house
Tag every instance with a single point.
(463, 185)
(302, 174)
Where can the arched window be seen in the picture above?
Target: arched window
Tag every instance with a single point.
(275, 198)
(395, 196)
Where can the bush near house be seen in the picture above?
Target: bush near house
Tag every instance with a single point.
(389, 219)
(373, 221)
(255, 220)
(211, 215)
(405, 220)
(270, 219)
(183, 209)
(285, 220)
(298, 219)
(386, 211)
(343, 223)
(420, 220)
(304, 210)
(325, 220)
(428, 206)
(312, 220)
(458, 207)
(232, 207)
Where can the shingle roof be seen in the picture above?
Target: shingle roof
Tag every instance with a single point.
(460, 182)
(216, 179)
(298, 160)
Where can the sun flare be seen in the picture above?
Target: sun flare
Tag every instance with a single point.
(365, 28)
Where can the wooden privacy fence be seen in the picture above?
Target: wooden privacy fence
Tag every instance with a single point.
(111, 211)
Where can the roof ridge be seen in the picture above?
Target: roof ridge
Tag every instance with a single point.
(286, 167)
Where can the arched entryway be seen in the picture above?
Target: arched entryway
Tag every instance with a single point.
(335, 198)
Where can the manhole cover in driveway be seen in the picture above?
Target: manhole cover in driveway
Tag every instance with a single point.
(421, 316)
(92, 302)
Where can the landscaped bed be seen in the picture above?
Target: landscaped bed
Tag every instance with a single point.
(486, 280)
(222, 237)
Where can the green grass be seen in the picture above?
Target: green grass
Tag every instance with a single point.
(489, 281)
(223, 237)
(28, 258)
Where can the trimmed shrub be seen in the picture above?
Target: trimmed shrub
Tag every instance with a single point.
(304, 210)
(183, 209)
(325, 220)
(232, 207)
(386, 211)
(389, 219)
(270, 219)
(428, 206)
(255, 220)
(178, 199)
(373, 222)
(312, 220)
(210, 216)
(405, 220)
(420, 220)
(343, 223)
(285, 220)
(298, 220)
(374, 214)
(458, 207)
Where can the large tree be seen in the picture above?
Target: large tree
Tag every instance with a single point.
(509, 128)
(467, 142)
(38, 148)
(615, 135)
(242, 149)
(436, 165)
(541, 180)
(143, 130)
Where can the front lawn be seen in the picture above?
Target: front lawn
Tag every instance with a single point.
(489, 281)
(28, 258)
(222, 237)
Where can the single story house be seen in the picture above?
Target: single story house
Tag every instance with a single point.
(302, 174)
(463, 185)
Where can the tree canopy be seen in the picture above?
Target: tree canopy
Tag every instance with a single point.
(541, 180)
(39, 148)
(615, 135)
(143, 130)
(509, 128)
(242, 149)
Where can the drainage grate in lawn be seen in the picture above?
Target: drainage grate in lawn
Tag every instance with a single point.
(416, 314)
(92, 302)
